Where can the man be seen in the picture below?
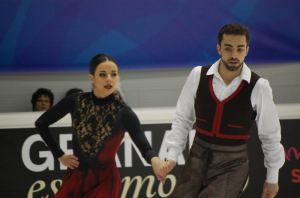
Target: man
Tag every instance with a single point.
(224, 99)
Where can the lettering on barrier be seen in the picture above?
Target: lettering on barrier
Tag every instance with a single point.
(296, 175)
(139, 183)
(160, 187)
(39, 168)
(49, 163)
(128, 181)
(292, 151)
(40, 185)
(64, 138)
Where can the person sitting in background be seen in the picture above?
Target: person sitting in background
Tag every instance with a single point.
(42, 99)
(118, 95)
(74, 90)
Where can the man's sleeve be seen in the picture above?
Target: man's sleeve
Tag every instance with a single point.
(184, 116)
(269, 130)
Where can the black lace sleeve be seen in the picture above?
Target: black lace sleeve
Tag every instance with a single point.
(55, 113)
(133, 126)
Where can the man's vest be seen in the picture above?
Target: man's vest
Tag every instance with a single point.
(228, 122)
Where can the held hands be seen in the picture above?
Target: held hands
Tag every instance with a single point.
(162, 168)
(158, 169)
(169, 165)
(70, 161)
(269, 190)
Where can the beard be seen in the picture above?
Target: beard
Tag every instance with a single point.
(232, 68)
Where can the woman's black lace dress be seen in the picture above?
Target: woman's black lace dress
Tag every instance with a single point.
(98, 127)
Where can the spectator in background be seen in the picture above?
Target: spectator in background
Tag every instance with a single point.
(118, 93)
(74, 90)
(42, 99)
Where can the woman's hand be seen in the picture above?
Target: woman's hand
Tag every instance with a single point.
(70, 161)
(158, 168)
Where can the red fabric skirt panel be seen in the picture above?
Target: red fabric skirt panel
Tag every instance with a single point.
(101, 182)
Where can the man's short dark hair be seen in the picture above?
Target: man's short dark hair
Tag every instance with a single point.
(235, 29)
(39, 93)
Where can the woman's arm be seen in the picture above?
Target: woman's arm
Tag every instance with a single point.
(133, 126)
(51, 116)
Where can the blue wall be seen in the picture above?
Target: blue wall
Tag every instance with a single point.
(52, 36)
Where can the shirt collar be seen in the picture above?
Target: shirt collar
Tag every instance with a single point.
(245, 73)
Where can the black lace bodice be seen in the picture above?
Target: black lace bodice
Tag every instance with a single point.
(94, 120)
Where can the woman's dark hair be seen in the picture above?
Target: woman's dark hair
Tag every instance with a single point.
(235, 29)
(39, 93)
(99, 58)
(74, 90)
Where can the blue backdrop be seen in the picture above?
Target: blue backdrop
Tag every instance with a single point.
(49, 35)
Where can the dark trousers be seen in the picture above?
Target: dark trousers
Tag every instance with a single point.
(213, 171)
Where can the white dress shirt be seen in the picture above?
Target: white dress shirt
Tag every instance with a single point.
(262, 101)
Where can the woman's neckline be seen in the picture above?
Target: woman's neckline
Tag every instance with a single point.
(103, 101)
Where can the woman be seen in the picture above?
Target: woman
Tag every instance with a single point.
(99, 122)
(42, 99)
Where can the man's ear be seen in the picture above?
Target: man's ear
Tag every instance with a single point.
(219, 49)
(247, 50)
(92, 78)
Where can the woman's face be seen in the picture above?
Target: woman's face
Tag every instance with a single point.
(42, 103)
(105, 79)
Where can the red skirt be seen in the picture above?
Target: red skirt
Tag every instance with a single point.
(100, 182)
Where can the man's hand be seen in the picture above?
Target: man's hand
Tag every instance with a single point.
(170, 164)
(269, 190)
(158, 169)
(70, 161)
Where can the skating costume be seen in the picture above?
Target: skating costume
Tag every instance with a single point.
(217, 165)
(98, 126)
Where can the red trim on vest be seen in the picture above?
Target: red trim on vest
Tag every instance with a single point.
(211, 134)
(204, 132)
(219, 114)
(219, 111)
(236, 126)
(211, 89)
(233, 136)
(201, 119)
(227, 99)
